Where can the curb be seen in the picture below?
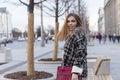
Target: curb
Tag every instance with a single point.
(48, 62)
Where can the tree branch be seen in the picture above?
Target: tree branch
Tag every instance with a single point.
(39, 2)
(61, 13)
(24, 3)
(49, 14)
(48, 8)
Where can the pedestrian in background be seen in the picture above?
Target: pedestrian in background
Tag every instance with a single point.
(75, 48)
(46, 39)
(104, 38)
(110, 37)
(114, 37)
(99, 38)
(118, 38)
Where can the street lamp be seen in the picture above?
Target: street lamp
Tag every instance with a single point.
(7, 23)
(42, 34)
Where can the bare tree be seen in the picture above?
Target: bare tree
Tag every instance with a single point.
(56, 8)
(83, 15)
(82, 12)
(30, 63)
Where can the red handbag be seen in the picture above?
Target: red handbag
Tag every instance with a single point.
(64, 73)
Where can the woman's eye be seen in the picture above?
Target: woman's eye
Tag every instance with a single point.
(70, 21)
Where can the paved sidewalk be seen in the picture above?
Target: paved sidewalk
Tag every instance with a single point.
(111, 50)
(19, 59)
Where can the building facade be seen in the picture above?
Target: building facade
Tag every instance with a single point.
(101, 24)
(112, 16)
(5, 23)
(118, 17)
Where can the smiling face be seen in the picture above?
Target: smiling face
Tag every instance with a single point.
(72, 23)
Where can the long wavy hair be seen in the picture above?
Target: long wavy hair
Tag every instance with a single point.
(62, 35)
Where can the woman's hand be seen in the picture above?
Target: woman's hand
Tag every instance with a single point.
(74, 76)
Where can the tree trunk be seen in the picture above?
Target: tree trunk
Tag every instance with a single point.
(79, 8)
(56, 42)
(56, 31)
(30, 63)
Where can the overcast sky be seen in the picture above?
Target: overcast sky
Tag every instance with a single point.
(19, 14)
(93, 6)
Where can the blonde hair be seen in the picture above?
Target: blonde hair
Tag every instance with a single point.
(62, 35)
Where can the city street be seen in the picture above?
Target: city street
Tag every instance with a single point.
(19, 55)
(98, 19)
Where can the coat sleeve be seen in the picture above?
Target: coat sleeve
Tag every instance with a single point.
(80, 54)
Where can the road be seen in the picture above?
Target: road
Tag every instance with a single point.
(23, 44)
(19, 49)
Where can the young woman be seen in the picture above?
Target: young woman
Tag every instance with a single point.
(75, 48)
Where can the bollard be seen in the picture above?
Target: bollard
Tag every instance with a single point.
(8, 55)
(2, 49)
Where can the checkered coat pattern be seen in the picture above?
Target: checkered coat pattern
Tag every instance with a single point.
(75, 51)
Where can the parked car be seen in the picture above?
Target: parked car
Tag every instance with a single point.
(4, 39)
(21, 39)
(2, 42)
(39, 39)
(9, 40)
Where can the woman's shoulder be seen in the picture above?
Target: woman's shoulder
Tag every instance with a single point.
(78, 31)
(78, 34)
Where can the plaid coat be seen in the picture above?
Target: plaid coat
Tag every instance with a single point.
(75, 51)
